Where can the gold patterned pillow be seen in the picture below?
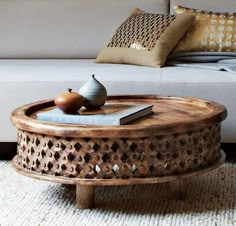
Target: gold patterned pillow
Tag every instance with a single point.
(145, 39)
(212, 32)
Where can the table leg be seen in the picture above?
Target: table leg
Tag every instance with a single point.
(177, 188)
(85, 196)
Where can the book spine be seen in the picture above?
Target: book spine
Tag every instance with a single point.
(79, 120)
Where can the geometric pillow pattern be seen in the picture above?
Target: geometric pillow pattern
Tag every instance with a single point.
(141, 31)
(211, 31)
(145, 39)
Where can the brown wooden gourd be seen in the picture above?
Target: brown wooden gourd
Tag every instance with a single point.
(69, 102)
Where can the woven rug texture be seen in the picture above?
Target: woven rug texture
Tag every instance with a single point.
(210, 200)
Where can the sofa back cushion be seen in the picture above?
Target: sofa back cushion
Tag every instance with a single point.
(63, 28)
(211, 5)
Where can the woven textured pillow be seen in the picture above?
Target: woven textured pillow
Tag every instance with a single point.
(212, 32)
(145, 39)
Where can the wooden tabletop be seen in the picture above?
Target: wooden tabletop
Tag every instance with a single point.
(170, 114)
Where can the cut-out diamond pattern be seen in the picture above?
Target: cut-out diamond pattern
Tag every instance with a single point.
(87, 157)
(105, 157)
(151, 168)
(118, 157)
(124, 157)
(77, 146)
(133, 146)
(96, 147)
(27, 139)
(37, 163)
(63, 167)
(115, 168)
(57, 155)
(37, 142)
(63, 147)
(50, 165)
(78, 169)
(70, 157)
(43, 153)
(50, 144)
(133, 168)
(32, 150)
(114, 147)
(97, 169)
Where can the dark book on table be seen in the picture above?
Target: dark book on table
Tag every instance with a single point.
(109, 114)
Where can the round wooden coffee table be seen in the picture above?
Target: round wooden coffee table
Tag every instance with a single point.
(180, 139)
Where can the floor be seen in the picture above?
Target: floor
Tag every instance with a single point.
(229, 149)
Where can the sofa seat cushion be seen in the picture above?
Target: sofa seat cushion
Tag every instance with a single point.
(186, 75)
(80, 70)
(48, 70)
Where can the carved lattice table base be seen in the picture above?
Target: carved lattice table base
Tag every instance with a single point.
(154, 149)
(103, 158)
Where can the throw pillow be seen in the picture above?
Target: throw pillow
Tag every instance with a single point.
(145, 39)
(212, 32)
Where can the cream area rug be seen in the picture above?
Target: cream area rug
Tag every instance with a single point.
(210, 200)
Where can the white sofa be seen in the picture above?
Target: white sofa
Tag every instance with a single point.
(48, 46)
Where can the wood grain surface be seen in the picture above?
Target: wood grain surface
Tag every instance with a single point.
(170, 114)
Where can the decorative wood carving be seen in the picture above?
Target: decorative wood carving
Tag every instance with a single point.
(119, 158)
